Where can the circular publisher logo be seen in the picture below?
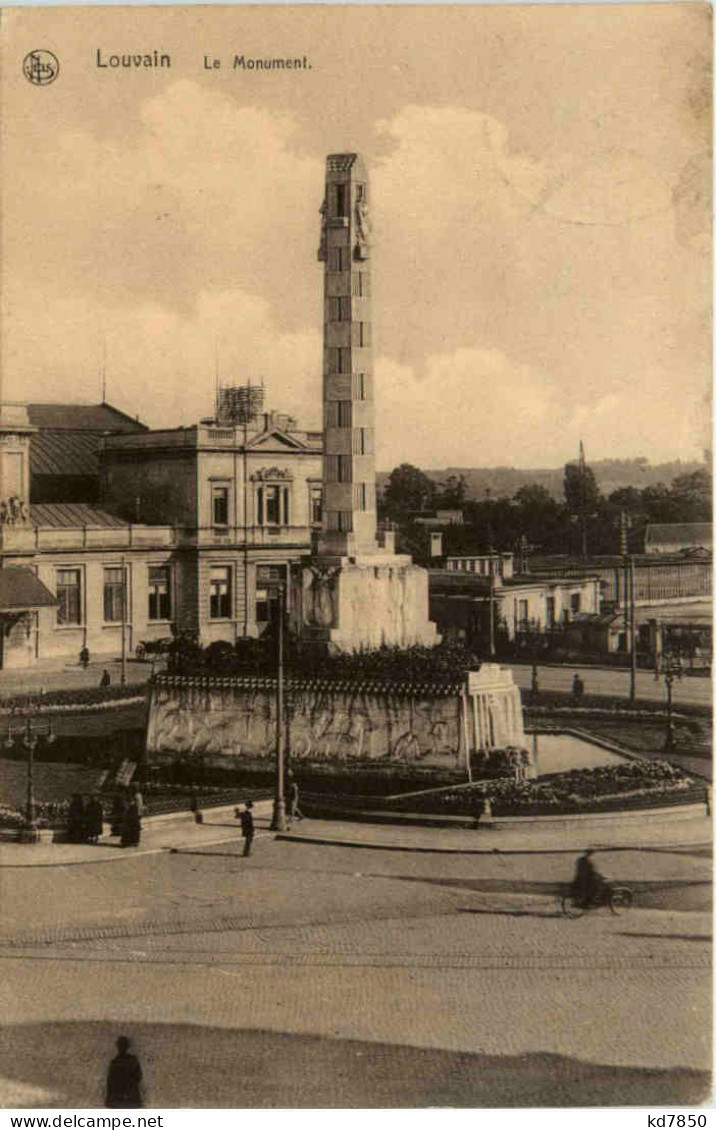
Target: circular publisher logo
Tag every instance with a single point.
(40, 68)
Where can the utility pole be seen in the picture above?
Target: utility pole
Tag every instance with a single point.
(278, 824)
(583, 496)
(632, 630)
(29, 732)
(492, 610)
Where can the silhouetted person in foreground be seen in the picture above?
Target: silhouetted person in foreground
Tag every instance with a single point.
(578, 686)
(124, 1078)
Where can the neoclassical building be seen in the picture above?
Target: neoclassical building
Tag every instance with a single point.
(192, 529)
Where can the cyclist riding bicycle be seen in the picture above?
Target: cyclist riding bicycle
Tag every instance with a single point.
(588, 883)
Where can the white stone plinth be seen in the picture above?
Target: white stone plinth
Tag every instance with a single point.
(366, 602)
(496, 708)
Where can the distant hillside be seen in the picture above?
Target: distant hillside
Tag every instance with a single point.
(611, 474)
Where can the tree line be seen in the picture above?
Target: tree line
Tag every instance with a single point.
(533, 521)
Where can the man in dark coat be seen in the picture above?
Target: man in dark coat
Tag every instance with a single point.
(247, 827)
(131, 825)
(95, 819)
(123, 1079)
(76, 819)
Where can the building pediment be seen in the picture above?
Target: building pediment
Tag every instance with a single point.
(275, 440)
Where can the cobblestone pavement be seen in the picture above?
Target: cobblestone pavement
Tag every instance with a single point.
(334, 977)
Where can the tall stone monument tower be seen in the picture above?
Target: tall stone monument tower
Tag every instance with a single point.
(355, 593)
(349, 522)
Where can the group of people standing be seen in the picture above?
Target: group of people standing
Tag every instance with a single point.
(85, 818)
(126, 818)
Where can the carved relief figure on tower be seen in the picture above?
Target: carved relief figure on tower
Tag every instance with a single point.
(322, 247)
(362, 226)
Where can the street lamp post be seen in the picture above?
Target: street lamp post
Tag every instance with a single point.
(671, 668)
(28, 733)
(123, 669)
(278, 824)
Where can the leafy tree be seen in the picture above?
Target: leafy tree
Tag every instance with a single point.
(691, 496)
(582, 498)
(452, 493)
(408, 489)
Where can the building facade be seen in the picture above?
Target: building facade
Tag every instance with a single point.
(194, 528)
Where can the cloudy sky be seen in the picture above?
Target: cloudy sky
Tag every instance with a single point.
(540, 206)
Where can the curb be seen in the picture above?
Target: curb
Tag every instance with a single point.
(419, 849)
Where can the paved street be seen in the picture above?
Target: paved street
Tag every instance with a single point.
(315, 975)
(607, 681)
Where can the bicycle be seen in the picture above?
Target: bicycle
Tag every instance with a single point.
(616, 898)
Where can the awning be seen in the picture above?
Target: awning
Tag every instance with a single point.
(21, 591)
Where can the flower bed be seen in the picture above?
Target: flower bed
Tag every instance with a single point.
(69, 699)
(638, 784)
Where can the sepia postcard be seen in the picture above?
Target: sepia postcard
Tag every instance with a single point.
(355, 558)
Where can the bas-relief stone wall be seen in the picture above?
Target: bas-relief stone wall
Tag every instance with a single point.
(221, 725)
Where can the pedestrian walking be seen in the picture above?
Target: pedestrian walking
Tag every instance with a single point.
(124, 1078)
(294, 812)
(577, 685)
(106, 678)
(84, 657)
(247, 827)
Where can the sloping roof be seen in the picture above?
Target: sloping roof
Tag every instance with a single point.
(64, 453)
(680, 533)
(72, 515)
(98, 418)
(68, 442)
(20, 589)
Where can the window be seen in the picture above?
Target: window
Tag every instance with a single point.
(273, 505)
(341, 200)
(575, 602)
(362, 497)
(345, 521)
(338, 414)
(220, 592)
(339, 359)
(344, 469)
(523, 614)
(363, 333)
(160, 604)
(338, 259)
(339, 309)
(268, 579)
(359, 284)
(114, 610)
(69, 596)
(360, 443)
(316, 506)
(359, 386)
(220, 506)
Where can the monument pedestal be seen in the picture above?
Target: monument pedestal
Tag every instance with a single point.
(365, 602)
